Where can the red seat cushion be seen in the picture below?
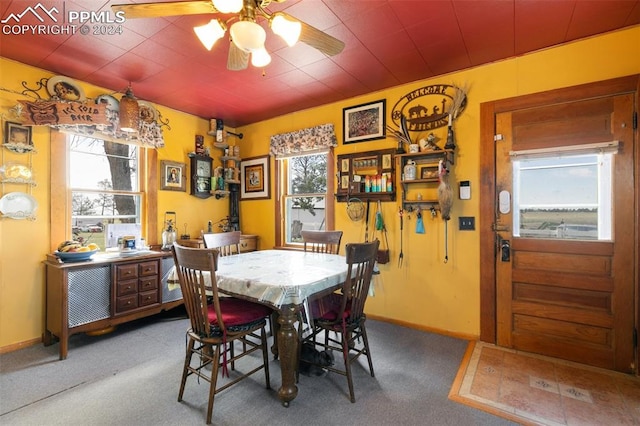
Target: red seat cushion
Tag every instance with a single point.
(327, 308)
(238, 312)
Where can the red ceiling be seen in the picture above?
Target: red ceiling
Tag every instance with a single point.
(388, 43)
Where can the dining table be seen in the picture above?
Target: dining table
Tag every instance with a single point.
(285, 280)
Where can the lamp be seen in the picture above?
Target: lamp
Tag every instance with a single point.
(260, 58)
(228, 6)
(129, 112)
(285, 28)
(210, 33)
(248, 35)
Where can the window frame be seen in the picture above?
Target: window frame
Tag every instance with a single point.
(281, 189)
(61, 198)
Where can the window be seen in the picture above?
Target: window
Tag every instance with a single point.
(305, 196)
(99, 185)
(566, 197)
(304, 177)
(104, 184)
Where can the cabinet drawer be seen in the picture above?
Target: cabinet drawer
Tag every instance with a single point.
(248, 243)
(126, 287)
(147, 298)
(125, 272)
(126, 303)
(148, 283)
(148, 268)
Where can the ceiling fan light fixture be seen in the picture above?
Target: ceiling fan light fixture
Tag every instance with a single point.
(129, 112)
(260, 58)
(248, 35)
(228, 6)
(288, 29)
(210, 32)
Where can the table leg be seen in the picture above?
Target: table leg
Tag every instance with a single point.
(288, 353)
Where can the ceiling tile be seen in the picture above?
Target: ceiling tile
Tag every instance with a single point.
(387, 43)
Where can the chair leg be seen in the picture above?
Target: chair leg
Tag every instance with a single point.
(185, 370)
(365, 341)
(347, 366)
(265, 357)
(214, 380)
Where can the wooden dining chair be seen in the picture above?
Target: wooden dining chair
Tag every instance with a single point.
(322, 241)
(217, 325)
(227, 243)
(343, 313)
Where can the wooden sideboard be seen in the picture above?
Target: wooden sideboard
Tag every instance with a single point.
(98, 294)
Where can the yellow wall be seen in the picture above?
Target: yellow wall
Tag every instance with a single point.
(425, 292)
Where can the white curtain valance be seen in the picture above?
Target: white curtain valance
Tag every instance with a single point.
(306, 141)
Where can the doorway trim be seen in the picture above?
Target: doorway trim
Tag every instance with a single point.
(488, 203)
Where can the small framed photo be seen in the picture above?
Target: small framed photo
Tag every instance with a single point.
(364, 122)
(254, 180)
(344, 182)
(17, 137)
(344, 167)
(386, 161)
(173, 176)
(429, 172)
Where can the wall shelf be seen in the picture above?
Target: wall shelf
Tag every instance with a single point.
(367, 176)
(426, 163)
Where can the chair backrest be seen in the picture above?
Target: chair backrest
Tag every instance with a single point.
(322, 241)
(361, 258)
(196, 269)
(226, 242)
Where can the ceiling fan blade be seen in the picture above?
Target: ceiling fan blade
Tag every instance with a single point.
(238, 59)
(322, 41)
(158, 10)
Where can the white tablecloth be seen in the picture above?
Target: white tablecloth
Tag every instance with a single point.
(279, 277)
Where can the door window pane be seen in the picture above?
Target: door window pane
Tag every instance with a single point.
(566, 197)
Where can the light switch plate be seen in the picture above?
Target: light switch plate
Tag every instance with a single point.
(467, 223)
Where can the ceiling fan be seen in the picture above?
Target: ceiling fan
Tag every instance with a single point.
(246, 34)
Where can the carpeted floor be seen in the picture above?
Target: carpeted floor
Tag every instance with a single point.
(132, 376)
(533, 389)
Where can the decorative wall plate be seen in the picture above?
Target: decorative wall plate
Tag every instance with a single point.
(148, 113)
(15, 173)
(18, 205)
(112, 103)
(64, 88)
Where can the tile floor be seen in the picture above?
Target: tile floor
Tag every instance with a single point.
(532, 389)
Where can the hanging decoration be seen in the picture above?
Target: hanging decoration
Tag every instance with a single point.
(129, 112)
(441, 100)
(96, 118)
(53, 113)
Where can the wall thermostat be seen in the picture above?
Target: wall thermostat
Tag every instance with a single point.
(465, 190)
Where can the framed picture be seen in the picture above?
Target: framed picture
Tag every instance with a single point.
(254, 178)
(429, 172)
(344, 182)
(16, 134)
(386, 161)
(344, 168)
(364, 122)
(173, 176)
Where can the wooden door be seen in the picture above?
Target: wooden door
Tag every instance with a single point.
(565, 288)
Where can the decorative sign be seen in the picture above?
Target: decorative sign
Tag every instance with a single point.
(50, 113)
(428, 107)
